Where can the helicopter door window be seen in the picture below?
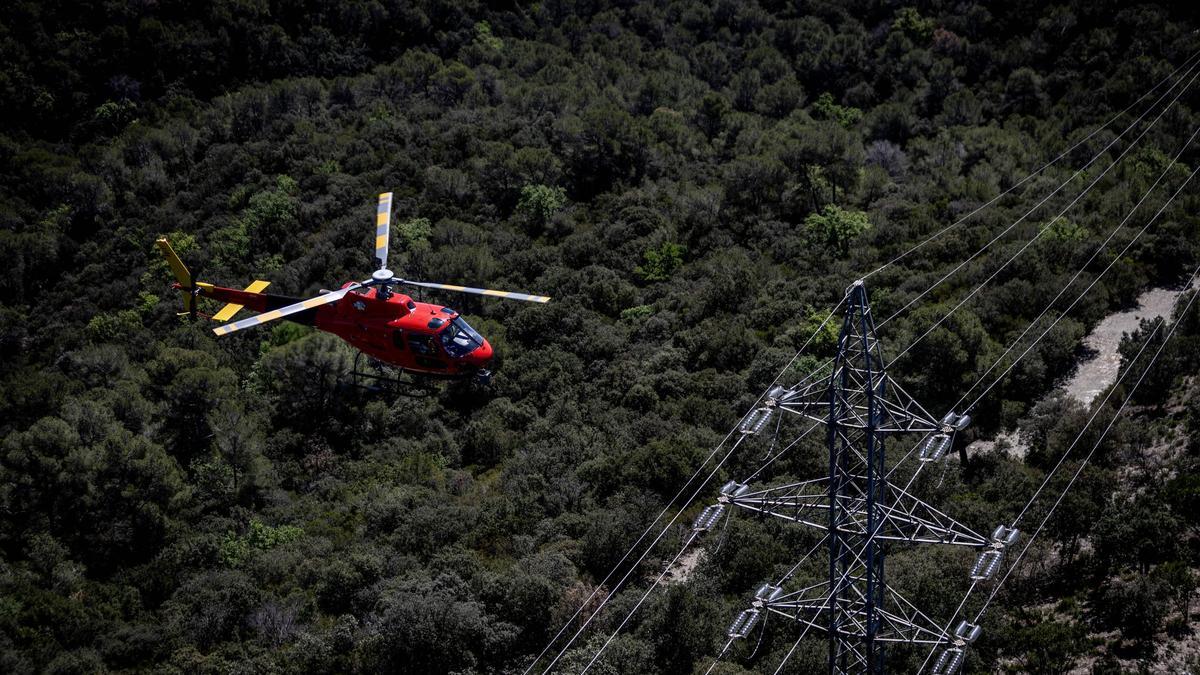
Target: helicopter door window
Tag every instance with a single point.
(398, 339)
(421, 344)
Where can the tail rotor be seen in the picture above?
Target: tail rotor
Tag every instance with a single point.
(182, 275)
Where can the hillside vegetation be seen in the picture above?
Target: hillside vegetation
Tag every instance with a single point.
(695, 184)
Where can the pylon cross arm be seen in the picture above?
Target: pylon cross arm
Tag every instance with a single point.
(898, 411)
(895, 625)
(903, 518)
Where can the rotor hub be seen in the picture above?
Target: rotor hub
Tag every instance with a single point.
(382, 276)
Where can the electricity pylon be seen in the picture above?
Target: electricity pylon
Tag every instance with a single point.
(856, 505)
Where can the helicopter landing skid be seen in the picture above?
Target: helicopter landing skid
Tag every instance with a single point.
(378, 380)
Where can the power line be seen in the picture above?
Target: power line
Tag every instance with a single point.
(1048, 224)
(1087, 425)
(642, 599)
(1079, 171)
(1014, 186)
(1063, 458)
(1128, 245)
(1073, 202)
(772, 459)
(1072, 280)
(1007, 229)
(1078, 471)
(921, 466)
(634, 567)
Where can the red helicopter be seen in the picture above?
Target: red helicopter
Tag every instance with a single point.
(388, 326)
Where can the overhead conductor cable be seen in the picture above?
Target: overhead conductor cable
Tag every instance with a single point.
(1096, 411)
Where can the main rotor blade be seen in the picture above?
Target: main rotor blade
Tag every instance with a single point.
(283, 311)
(383, 224)
(480, 291)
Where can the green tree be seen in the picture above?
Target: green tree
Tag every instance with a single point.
(1180, 582)
(1051, 646)
(539, 202)
(658, 264)
(825, 108)
(236, 549)
(434, 626)
(413, 234)
(486, 39)
(835, 227)
(910, 22)
(269, 219)
(1133, 604)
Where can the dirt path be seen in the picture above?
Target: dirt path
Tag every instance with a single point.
(684, 567)
(1095, 374)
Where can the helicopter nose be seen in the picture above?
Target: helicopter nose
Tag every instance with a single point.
(484, 353)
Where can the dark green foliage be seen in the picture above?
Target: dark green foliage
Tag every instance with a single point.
(1135, 606)
(695, 185)
(660, 263)
(1050, 645)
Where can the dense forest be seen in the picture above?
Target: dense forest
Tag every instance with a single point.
(695, 184)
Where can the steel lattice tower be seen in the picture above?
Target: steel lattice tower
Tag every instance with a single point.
(857, 476)
(856, 504)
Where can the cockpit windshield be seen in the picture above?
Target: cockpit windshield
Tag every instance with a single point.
(460, 339)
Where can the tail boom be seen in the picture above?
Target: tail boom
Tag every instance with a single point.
(254, 301)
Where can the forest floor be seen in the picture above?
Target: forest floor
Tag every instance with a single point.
(683, 568)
